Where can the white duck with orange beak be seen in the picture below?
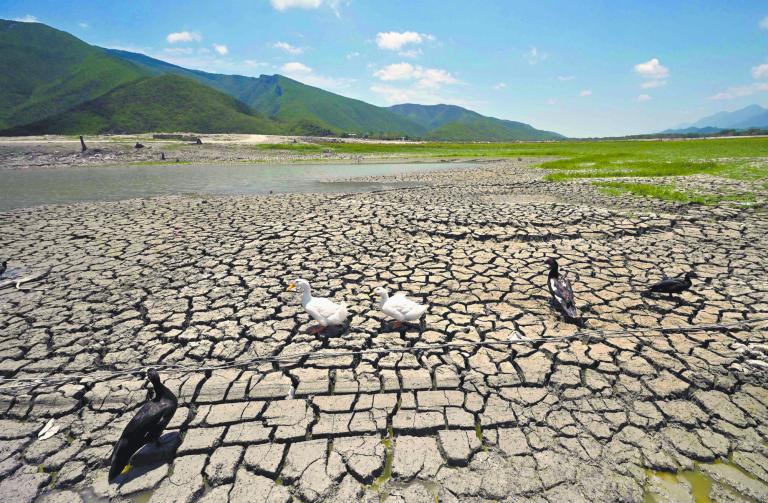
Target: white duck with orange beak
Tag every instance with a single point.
(324, 311)
(399, 307)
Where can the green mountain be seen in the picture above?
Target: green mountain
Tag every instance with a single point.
(162, 103)
(451, 122)
(290, 101)
(44, 71)
(53, 82)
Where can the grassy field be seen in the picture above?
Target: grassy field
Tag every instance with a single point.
(734, 158)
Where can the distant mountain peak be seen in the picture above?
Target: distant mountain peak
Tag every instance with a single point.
(750, 116)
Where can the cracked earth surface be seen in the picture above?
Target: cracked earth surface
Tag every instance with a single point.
(202, 281)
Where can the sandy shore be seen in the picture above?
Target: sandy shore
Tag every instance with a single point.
(198, 281)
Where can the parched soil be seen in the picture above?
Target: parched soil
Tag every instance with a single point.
(367, 412)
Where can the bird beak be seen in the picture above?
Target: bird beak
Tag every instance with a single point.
(291, 286)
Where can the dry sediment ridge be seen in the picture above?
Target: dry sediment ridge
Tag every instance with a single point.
(192, 281)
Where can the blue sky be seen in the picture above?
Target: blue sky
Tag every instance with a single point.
(580, 68)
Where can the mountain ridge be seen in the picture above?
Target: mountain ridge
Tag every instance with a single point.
(452, 122)
(64, 75)
(751, 116)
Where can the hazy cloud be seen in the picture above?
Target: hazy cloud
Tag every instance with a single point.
(307, 75)
(533, 56)
(221, 49)
(760, 71)
(283, 5)
(183, 36)
(565, 78)
(586, 92)
(500, 85)
(651, 84)
(290, 49)
(296, 68)
(392, 95)
(394, 41)
(763, 23)
(643, 97)
(741, 91)
(29, 18)
(425, 77)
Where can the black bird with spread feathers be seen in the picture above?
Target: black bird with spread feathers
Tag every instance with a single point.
(561, 291)
(673, 285)
(145, 427)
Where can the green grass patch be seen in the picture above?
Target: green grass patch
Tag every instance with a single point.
(601, 152)
(293, 147)
(669, 193)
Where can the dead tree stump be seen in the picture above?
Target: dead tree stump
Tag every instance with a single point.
(82, 145)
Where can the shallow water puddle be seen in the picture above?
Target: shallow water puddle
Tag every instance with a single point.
(694, 485)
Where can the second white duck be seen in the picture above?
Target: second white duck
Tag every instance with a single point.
(324, 311)
(399, 307)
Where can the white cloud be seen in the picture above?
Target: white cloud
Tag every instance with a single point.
(760, 71)
(183, 36)
(741, 91)
(551, 101)
(295, 68)
(353, 55)
(179, 50)
(394, 41)
(392, 95)
(283, 5)
(643, 97)
(426, 77)
(396, 71)
(533, 56)
(255, 64)
(652, 84)
(221, 49)
(763, 23)
(29, 18)
(84, 25)
(565, 78)
(290, 49)
(305, 74)
(500, 85)
(586, 92)
(412, 53)
(652, 69)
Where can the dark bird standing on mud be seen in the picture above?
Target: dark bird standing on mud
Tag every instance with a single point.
(673, 285)
(145, 427)
(561, 291)
(3, 267)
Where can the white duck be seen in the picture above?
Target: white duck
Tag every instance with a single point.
(324, 311)
(399, 307)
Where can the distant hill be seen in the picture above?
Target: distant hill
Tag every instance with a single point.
(291, 101)
(451, 122)
(693, 130)
(162, 103)
(752, 116)
(51, 81)
(756, 121)
(44, 71)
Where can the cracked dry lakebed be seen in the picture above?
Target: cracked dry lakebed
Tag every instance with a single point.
(492, 398)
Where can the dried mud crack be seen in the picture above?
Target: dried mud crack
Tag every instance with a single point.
(189, 281)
